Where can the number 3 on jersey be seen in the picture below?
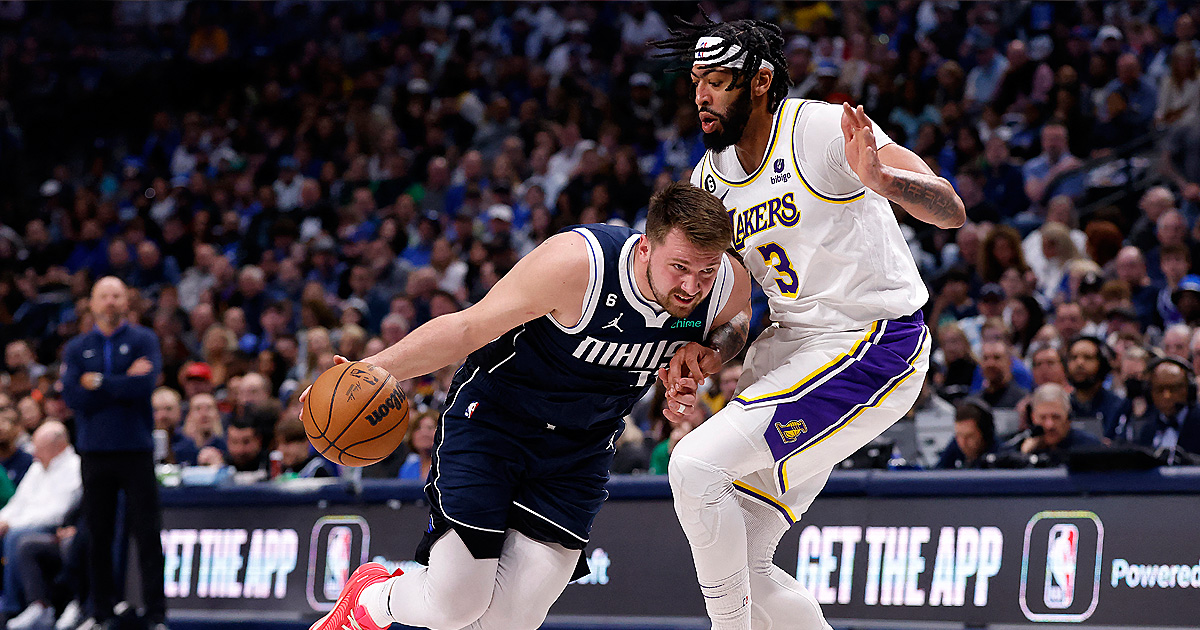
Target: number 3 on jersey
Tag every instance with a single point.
(788, 281)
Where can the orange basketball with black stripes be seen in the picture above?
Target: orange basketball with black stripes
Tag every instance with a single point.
(355, 414)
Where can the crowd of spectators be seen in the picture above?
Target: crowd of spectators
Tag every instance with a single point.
(278, 183)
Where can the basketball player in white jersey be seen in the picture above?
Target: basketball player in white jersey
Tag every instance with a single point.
(807, 186)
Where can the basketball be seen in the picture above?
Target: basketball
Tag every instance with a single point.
(355, 414)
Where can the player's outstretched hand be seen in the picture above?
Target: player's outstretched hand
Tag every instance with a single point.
(860, 147)
(337, 360)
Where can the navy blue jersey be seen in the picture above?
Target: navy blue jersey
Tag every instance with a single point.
(589, 375)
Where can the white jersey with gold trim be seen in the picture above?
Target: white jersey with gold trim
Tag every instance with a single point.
(826, 250)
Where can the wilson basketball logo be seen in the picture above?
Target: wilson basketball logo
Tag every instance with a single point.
(392, 403)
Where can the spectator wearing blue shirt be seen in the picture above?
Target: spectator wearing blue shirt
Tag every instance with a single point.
(16, 460)
(1088, 365)
(91, 250)
(1055, 159)
(153, 271)
(984, 79)
(420, 249)
(470, 175)
(420, 444)
(1140, 96)
(108, 377)
(1004, 185)
(326, 269)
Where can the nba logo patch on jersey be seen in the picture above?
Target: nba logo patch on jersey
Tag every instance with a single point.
(791, 431)
(471, 408)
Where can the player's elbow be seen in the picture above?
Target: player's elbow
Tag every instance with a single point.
(959, 217)
(956, 215)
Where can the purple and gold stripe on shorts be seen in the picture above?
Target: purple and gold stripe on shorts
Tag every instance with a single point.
(764, 497)
(821, 374)
(868, 375)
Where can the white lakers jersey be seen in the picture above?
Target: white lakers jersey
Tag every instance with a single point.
(826, 250)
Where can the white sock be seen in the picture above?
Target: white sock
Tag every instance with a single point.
(375, 599)
(728, 601)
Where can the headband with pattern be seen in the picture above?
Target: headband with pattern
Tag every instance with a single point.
(733, 57)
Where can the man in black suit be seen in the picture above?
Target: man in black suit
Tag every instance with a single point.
(1174, 419)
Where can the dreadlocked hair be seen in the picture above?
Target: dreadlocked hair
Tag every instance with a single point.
(760, 40)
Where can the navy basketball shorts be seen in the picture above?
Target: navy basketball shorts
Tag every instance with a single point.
(494, 470)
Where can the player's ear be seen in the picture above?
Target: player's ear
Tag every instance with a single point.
(762, 81)
(643, 247)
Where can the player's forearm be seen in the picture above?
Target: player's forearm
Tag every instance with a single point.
(729, 338)
(927, 197)
(437, 343)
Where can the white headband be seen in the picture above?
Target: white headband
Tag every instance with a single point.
(734, 56)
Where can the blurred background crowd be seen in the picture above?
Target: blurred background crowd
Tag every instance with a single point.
(277, 183)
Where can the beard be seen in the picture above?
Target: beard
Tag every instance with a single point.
(733, 123)
(664, 299)
(1084, 381)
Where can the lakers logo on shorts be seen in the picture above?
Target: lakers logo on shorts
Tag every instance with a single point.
(791, 430)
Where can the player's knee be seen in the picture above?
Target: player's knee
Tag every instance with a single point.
(698, 487)
(694, 479)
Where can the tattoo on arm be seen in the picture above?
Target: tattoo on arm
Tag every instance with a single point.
(729, 338)
(924, 191)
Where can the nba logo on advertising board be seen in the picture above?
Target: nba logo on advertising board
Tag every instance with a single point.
(337, 546)
(337, 561)
(1062, 557)
(1060, 566)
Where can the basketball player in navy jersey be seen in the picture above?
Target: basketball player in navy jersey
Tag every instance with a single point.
(808, 187)
(559, 351)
